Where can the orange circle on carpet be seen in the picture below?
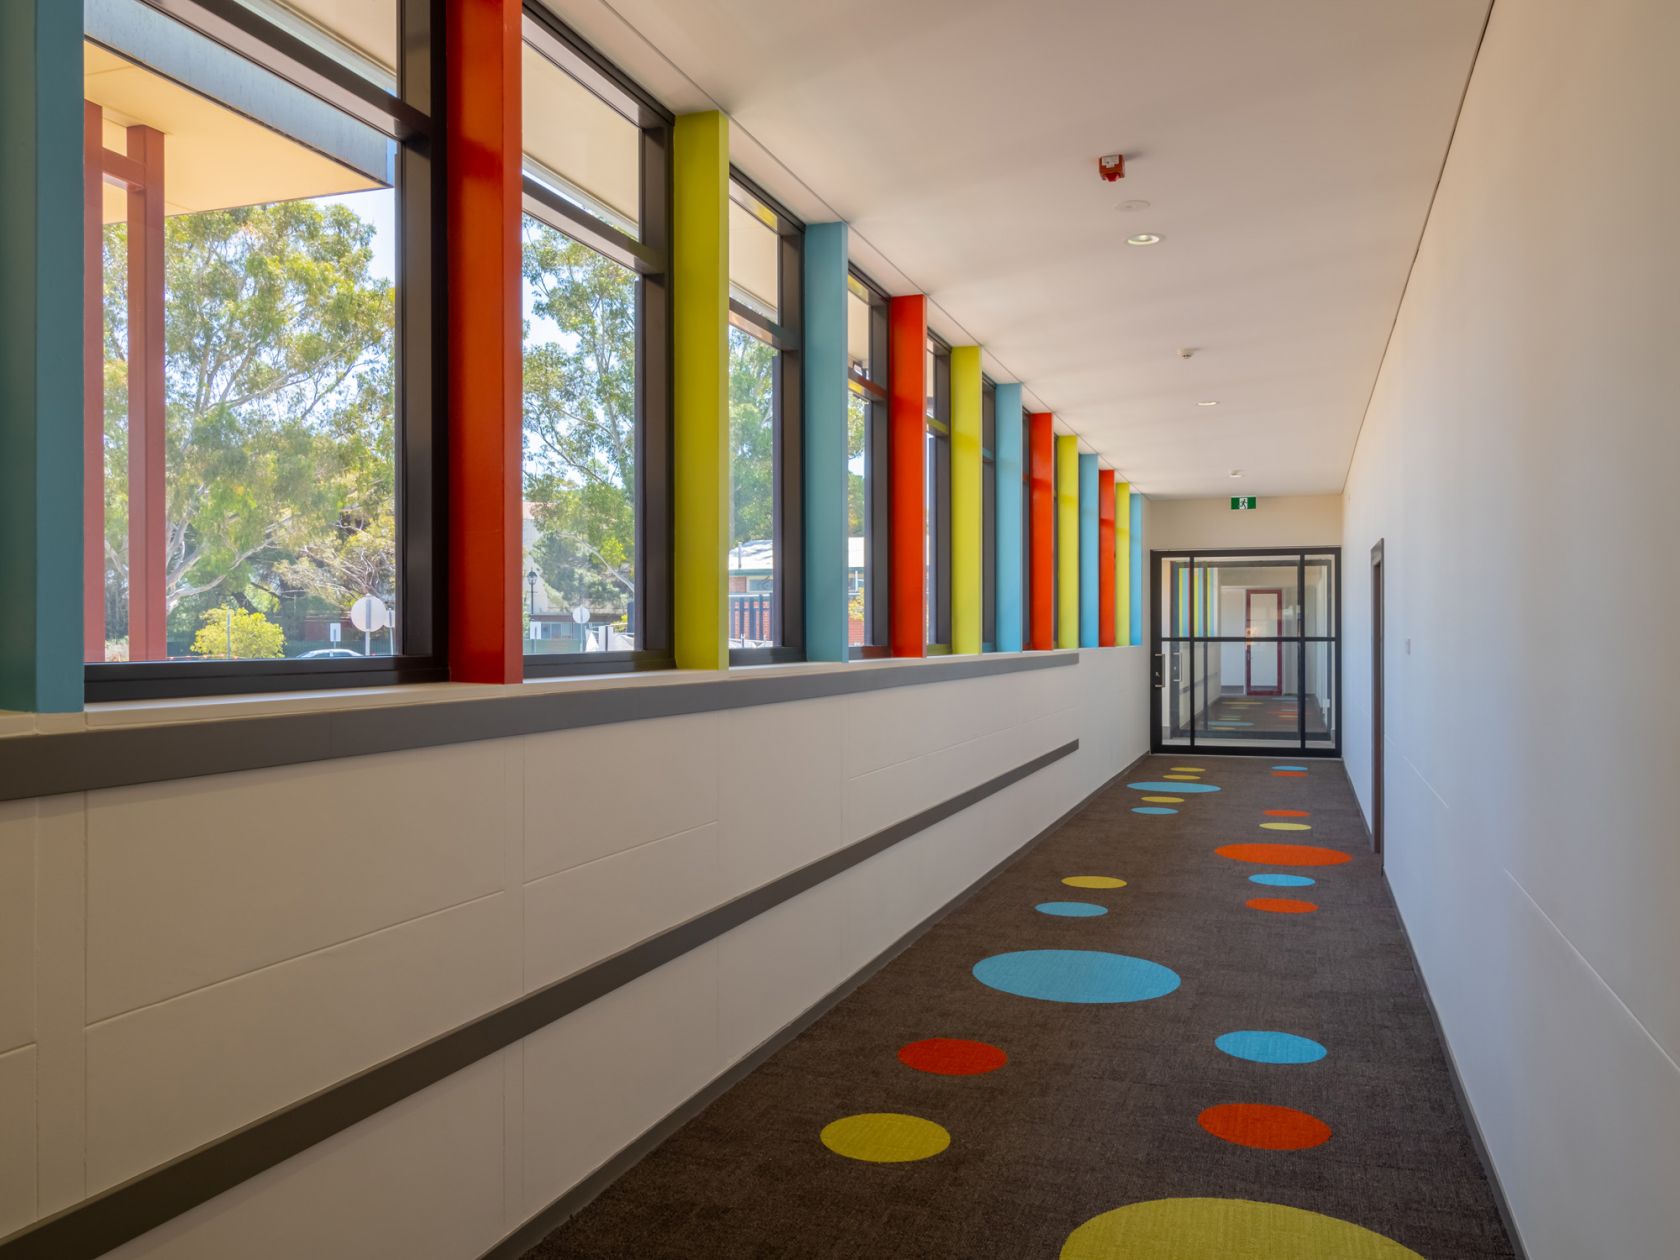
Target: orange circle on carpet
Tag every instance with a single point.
(1281, 905)
(1287, 813)
(1283, 854)
(951, 1056)
(1263, 1127)
(1289, 774)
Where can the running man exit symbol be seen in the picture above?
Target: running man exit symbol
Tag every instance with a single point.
(1245, 504)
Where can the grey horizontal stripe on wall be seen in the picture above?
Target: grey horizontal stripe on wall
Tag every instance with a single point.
(120, 756)
(107, 1220)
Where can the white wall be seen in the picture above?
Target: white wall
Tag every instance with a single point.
(178, 959)
(1518, 462)
(1291, 521)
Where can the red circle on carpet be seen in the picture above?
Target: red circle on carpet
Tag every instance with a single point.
(1287, 813)
(1281, 905)
(949, 1056)
(1289, 774)
(1283, 854)
(1264, 1127)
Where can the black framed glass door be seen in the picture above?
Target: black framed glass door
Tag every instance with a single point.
(1247, 657)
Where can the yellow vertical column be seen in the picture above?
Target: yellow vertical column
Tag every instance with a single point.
(1123, 563)
(1067, 541)
(700, 415)
(966, 509)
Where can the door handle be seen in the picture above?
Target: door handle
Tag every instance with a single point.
(1160, 675)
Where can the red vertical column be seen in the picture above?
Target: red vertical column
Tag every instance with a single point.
(1041, 513)
(93, 382)
(483, 136)
(1105, 557)
(907, 473)
(147, 521)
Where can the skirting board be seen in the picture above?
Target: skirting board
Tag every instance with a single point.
(581, 1195)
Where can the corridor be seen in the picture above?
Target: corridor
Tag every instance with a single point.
(1192, 1002)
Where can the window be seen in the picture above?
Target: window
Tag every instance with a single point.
(596, 594)
(766, 611)
(938, 549)
(261, 348)
(866, 482)
(988, 516)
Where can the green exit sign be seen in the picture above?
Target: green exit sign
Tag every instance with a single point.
(1246, 504)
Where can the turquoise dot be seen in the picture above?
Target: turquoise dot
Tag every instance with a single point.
(1230, 723)
(1270, 1047)
(1282, 881)
(1152, 809)
(1076, 975)
(1172, 789)
(1071, 909)
(1288, 767)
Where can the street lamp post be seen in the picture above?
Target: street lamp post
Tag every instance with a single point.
(531, 618)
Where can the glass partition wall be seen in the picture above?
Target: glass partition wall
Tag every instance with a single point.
(1246, 654)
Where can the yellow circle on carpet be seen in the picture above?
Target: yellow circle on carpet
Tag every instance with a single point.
(1093, 881)
(885, 1137)
(1188, 770)
(1285, 827)
(1225, 1229)
(1183, 778)
(1165, 800)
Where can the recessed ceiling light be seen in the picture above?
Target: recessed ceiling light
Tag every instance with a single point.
(1208, 402)
(1143, 238)
(1236, 472)
(1134, 204)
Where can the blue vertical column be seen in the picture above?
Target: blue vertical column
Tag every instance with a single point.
(41, 356)
(1136, 566)
(1090, 583)
(1009, 547)
(824, 399)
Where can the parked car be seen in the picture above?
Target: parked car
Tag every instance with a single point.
(332, 653)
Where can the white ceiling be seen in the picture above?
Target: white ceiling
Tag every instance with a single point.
(1288, 150)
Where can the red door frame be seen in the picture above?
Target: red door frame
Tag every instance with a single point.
(1248, 648)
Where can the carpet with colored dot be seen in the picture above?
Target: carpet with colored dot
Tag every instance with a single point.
(1163, 1065)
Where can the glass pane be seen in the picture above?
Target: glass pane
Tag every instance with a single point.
(358, 34)
(248, 487)
(930, 549)
(858, 327)
(857, 516)
(1240, 598)
(1175, 695)
(579, 363)
(754, 614)
(1319, 603)
(754, 256)
(1319, 702)
(1173, 598)
(1230, 714)
(578, 145)
(988, 552)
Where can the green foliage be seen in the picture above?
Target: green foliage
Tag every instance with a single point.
(752, 438)
(238, 633)
(857, 418)
(580, 419)
(280, 431)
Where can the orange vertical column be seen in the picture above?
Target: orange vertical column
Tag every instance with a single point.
(147, 519)
(1105, 558)
(1041, 512)
(483, 170)
(907, 473)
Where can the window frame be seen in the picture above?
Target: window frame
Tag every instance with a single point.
(410, 119)
(789, 420)
(877, 500)
(647, 254)
(938, 427)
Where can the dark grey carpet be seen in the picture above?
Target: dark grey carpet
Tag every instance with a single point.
(1098, 1105)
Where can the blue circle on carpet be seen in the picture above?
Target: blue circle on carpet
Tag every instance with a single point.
(1071, 909)
(1288, 767)
(1076, 975)
(1152, 809)
(1230, 723)
(1283, 881)
(1270, 1047)
(1172, 789)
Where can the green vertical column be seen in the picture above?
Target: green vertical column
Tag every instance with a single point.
(1067, 541)
(40, 356)
(700, 372)
(825, 448)
(967, 512)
